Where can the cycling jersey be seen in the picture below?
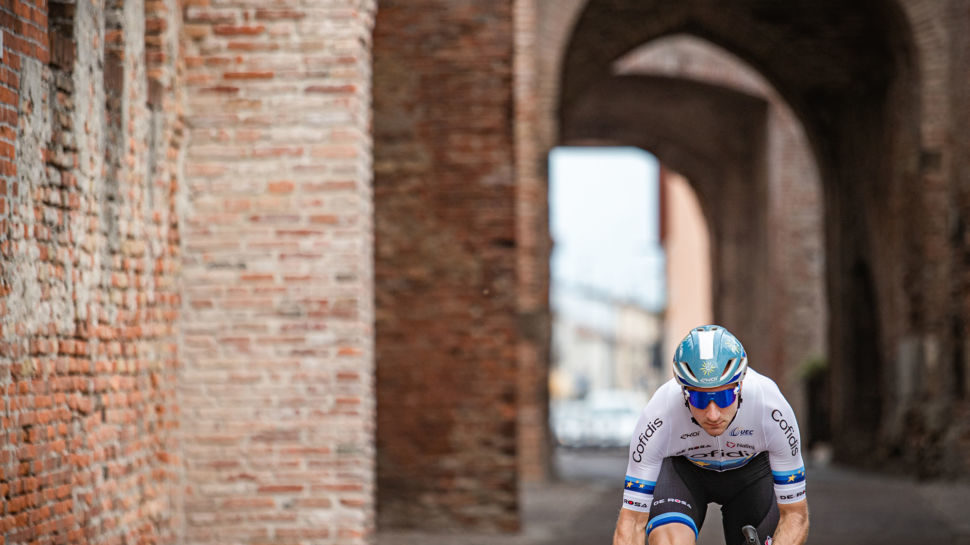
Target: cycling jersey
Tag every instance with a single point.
(764, 422)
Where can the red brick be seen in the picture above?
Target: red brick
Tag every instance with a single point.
(280, 187)
(8, 97)
(221, 89)
(279, 14)
(238, 30)
(331, 89)
(247, 75)
(242, 504)
(280, 489)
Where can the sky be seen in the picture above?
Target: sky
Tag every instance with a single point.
(604, 219)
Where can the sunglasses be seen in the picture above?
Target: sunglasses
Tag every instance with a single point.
(722, 398)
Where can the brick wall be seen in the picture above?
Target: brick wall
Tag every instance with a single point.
(445, 264)
(926, 426)
(276, 383)
(89, 254)
(958, 205)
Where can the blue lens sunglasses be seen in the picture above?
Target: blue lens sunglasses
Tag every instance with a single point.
(722, 398)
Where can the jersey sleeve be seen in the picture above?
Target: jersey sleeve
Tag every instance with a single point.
(647, 451)
(784, 447)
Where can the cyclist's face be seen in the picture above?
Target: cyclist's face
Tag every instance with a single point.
(712, 418)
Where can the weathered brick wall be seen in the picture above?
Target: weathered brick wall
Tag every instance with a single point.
(958, 205)
(445, 264)
(89, 256)
(926, 426)
(277, 336)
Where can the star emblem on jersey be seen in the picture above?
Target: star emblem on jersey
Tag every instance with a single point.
(708, 367)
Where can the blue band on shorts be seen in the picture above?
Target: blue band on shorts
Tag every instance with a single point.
(667, 518)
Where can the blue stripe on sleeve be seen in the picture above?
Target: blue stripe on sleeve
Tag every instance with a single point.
(667, 518)
(639, 485)
(789, 477)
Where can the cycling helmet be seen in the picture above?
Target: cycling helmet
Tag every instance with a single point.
(708, 357)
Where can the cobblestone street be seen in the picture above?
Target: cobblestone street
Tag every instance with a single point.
(847, 507)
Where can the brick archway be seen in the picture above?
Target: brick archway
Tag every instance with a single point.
(848, 73)
(716, 137)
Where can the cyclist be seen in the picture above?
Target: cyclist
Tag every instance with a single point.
(735, 444)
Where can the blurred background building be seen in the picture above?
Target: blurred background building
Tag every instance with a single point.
(280, 272)
(607, 283)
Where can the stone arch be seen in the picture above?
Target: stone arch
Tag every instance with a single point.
(811, 52)
(778, 184)
(848, 73)
(720, 149)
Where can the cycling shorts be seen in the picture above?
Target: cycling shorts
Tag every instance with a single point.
(746, 496)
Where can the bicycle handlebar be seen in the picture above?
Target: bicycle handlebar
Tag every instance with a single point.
(750, 535)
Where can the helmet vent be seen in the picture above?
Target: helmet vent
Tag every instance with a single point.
(729, 368)
(685, 367)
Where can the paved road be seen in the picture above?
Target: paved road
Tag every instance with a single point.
(847, 507)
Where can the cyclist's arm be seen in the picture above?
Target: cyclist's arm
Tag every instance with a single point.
(648, 447)
(787, 468)
(631, 528)
(792, 525)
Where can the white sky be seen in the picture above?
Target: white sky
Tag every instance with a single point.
(604, 219)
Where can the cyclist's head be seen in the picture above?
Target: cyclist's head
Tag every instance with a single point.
(709, 357)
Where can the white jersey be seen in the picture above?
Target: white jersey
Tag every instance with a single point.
(764, 422)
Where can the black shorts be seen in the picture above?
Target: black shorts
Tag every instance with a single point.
(746, 495)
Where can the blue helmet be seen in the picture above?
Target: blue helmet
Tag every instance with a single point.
(708, 357)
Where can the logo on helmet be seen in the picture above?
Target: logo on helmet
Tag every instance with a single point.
(708, 367)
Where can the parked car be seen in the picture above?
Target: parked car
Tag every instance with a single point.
(605, 418)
